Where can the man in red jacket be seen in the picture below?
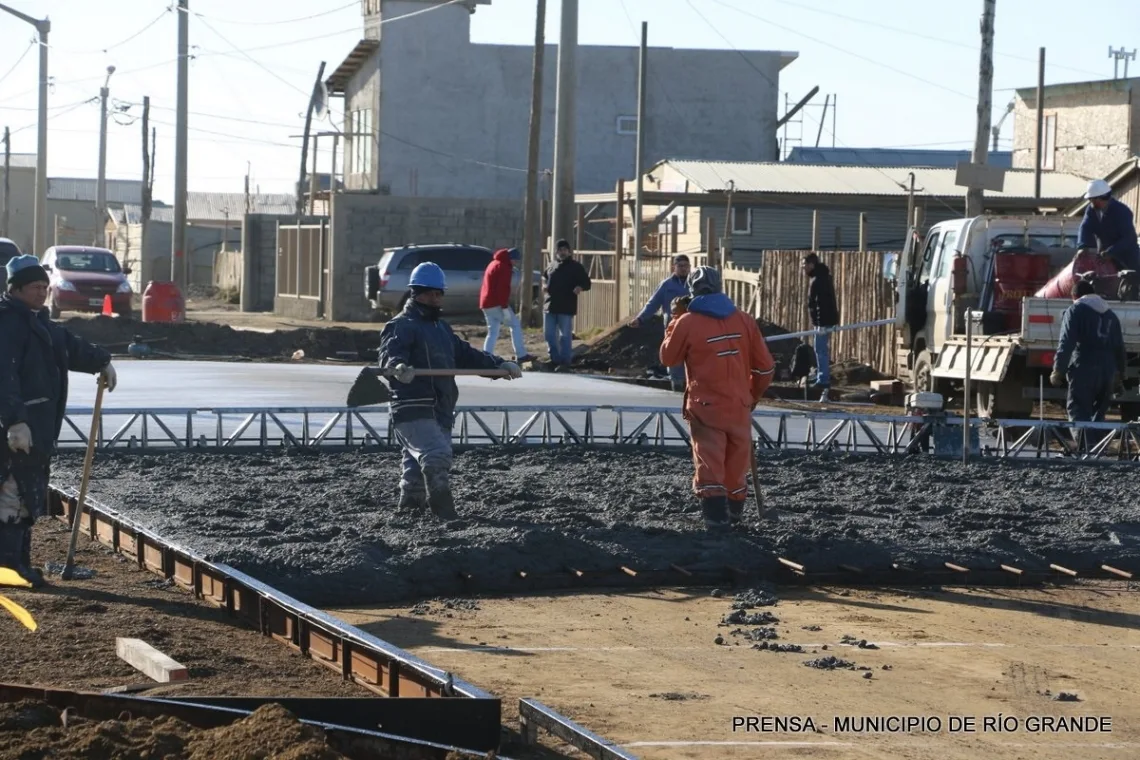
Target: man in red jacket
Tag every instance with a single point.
(495, 301)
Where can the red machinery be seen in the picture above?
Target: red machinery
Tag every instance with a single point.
(163, 302)
(1017, 276)
(1102, 269)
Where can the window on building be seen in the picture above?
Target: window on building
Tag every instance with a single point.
(741, 221)
(359, 157)
(627, 125)
(1049, 143)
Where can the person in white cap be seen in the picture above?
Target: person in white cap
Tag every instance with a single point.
(35, 356)
(1108, 226)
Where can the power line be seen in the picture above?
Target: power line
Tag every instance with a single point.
(71, 108)
(120, 43)
(23, 55)
(861, 57)
(353, 4)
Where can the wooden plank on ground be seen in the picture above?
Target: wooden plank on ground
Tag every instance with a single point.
(147, 660)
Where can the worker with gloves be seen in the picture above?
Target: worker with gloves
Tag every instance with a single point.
(1090, 355)
(563, 281)
(35, 356)
(672, 287)
(824, 313)
(1110, 223)
(495, 301)
(728, 368)
(423, 408)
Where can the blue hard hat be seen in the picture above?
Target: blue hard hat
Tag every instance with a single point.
(428, 275)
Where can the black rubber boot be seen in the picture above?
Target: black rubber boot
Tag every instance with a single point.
(735, 512)
(16, 552)
(715, 510)
(439, 497)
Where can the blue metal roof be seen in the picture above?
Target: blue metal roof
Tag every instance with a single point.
(943, 159)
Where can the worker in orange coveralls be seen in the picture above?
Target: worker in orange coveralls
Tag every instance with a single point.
(728, 368)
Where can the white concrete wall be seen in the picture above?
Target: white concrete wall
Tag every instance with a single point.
(21, 209)
(468, 103)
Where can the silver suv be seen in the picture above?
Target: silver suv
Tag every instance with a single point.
(386, 283)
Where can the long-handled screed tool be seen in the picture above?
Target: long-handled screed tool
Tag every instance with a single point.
(69, 567)
(756, 481)
(369, 389)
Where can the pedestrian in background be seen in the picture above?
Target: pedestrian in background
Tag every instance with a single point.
(562, 282)
(729, 368)
(824, 314)
(672, 287)
(1090, 355)
(423, 408)
(495, 301)
(35, 356)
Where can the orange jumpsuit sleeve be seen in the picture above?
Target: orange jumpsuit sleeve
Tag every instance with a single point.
(675, 346)
(759, 361)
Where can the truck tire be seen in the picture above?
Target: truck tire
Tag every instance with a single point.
(922, 376)
(1002, 401)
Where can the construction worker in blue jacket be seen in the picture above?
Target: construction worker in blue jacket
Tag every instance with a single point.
(1090, 355)
(423, 408)
(672, 287)
(1110, 223)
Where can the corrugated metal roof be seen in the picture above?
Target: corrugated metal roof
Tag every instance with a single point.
(812, 179)
(132, 214)
(947, 159)
(80, 189)
(220, 206)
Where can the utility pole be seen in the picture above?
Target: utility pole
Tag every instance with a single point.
(247, 168)
(531, 208)
(639, 170)
(148, 179)
(7, 174)
(40, 231)
(179, 266)
(313, 177)
(1040, 124)
(566, 125)
(101, 189)
(975, 195)
(305, 140)
(910, 202)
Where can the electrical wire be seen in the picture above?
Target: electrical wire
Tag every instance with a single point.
(118, 44)
(19, 60)
(279, 22)
(71, 108)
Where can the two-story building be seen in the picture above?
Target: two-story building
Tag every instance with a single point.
(430, 113)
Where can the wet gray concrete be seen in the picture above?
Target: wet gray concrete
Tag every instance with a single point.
(324, 527)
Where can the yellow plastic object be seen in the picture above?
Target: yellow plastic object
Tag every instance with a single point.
(9, 577)
(19, 613)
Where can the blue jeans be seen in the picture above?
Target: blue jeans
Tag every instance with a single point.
(823, 359)
(427, 455)
(495, 318)
(559, 336)
(677, 376)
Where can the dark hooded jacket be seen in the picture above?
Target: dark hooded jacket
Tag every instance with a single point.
(560, 279)
(1090, 337)
(822, 308)
(35, 357)
(420, 339)
(1115, 230)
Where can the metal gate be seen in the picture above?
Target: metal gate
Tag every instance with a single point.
(302, 262)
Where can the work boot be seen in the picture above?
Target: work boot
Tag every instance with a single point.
(735, 512)
(412, 500)
(715, 511)
(439, 497)
(16, 552)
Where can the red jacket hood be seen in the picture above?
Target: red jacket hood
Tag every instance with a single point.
(503, 255)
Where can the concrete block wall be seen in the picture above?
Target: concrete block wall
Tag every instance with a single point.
(363, 225)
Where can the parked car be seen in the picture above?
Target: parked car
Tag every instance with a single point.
(8, 251)
(80, 278)
(386, 283)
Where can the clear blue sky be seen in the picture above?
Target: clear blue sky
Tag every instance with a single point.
(905, 72)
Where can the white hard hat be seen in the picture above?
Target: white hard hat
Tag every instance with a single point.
(1098, 188)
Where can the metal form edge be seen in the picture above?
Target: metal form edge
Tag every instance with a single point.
(534, 715)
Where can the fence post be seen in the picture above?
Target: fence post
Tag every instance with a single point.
(710, 242)
(862, 232)
(673, 232)
(815, 230)
(619, 246)
(580, 234)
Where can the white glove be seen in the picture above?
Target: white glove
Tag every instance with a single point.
(402, 373)
(20, 438)
(110, 377)
(514, 369)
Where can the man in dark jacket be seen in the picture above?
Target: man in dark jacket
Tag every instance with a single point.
(423, 408)
(1090, 355)
(824, 313)
(35, 356)
(562, 282)
(1109, 222)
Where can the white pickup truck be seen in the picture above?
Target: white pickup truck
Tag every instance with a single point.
(995, 264)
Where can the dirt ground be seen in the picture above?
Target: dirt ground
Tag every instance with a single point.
(645, 670)
(79, 620)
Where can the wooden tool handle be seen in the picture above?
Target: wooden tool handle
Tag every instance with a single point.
(451, 372)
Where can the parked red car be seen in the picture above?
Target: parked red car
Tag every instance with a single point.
(80, 278)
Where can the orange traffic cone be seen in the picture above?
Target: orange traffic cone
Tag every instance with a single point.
(108, 310)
